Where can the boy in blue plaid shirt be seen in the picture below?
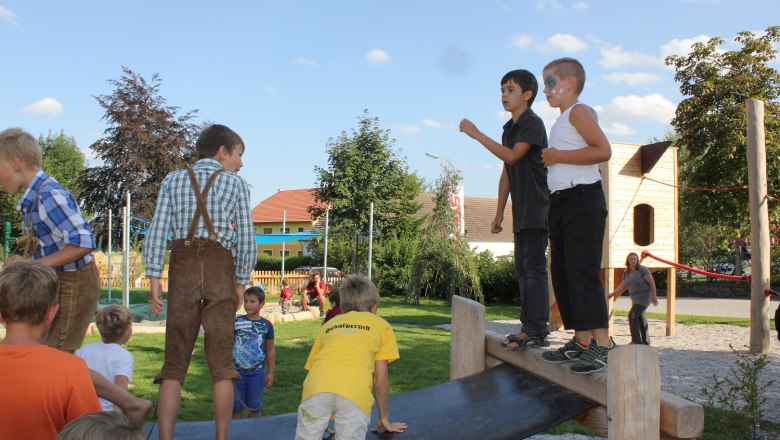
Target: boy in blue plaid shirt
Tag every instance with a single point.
(57, 235)
(205, 209)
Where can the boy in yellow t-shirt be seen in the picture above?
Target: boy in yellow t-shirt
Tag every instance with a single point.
(348, 359)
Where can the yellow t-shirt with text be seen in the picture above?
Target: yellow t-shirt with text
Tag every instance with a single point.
(343, 356)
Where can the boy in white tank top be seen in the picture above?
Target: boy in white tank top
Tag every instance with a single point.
(578, 214)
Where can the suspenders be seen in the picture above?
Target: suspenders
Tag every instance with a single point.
(200, 209)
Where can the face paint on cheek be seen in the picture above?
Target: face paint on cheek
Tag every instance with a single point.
(515, 94)
(560, 90)
(549, 84)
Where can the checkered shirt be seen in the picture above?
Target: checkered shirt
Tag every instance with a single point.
(56, 220)
(227, 204)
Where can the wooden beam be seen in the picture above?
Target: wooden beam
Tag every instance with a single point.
(633, 393)
(467, 347)
(679, 418)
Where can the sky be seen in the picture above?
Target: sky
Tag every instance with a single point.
(291, 76)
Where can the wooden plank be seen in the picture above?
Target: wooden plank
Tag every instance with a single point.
(634, 393)
(467, 348)
(679, 418)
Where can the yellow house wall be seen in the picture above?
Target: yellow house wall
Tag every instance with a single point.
(625, 188)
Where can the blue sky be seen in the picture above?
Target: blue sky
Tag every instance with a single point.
(289, 76)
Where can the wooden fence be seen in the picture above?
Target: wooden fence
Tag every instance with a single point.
(271, 280)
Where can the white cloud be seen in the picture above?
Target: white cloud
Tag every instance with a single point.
(682, 46)
(580, 6)
(47, 106)
(270, 90)
(306, 62)
(615, 56)
(653, 107)
(7, 16)
(618, 129)
(487, 166)
(555, 4)
(431, 123)
(566, 43)
(378, 56)
(503, 115)
(632, 79)
(406, 129)
(521, 40)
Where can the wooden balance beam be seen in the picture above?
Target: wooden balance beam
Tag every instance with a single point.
(632, 403)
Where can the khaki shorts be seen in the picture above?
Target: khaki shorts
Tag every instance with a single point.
(314, 413)
(202, 271)
(79, 294)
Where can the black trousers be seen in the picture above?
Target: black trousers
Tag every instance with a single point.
(531, 269)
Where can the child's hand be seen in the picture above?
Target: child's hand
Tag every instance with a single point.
(239, 297)
(389, 426)
(269, 380)
(655, 301)
(12, 259)
(496, 227)
(469, 128)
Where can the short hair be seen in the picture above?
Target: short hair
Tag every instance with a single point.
(28, 289)
(335, 298)
(629, 256)
(566, 68)
(113, 321)
(101, 425)
(256, 291)
(19, 143)
(285, 282)
(215, 136)
(525, 79)
(357, 294)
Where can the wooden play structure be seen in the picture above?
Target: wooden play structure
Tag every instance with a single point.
(631, 403)
(639, 183)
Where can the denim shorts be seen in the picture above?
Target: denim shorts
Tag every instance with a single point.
(248, 393)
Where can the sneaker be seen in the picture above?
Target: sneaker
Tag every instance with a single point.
(571, 351)
(594, 359)
(322, 314)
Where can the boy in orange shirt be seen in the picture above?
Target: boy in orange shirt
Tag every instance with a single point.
(43, 403)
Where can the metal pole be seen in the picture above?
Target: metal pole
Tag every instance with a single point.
(126, 250)
(108, 271)
(370, 237)
(284, 243)
(325, 262)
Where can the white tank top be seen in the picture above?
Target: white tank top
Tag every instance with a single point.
(563, 136)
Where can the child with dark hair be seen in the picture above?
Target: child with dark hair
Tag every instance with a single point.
(254, 345)
(335, 309)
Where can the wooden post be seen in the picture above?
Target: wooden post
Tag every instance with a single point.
(759, 227)
(634, 393)
(671, 301)
(467, 347)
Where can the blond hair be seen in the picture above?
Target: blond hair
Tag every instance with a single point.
(19, 143)
(357, 294)
(101, 425)
(113, 321)
(566, 68)
(28, 289)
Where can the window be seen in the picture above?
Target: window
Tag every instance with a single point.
(286, 253)
(268, 231)
(285, 230)
(268, 252)
(644, 224)
(300, 253)
(300, 229)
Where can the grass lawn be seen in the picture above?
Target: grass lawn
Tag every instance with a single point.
(424, 361)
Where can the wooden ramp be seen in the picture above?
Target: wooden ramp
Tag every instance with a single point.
(504, 402)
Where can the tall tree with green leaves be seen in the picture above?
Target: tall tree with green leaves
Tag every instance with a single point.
(63, 160)
(444, 266)
(145, 140)
(364, 167)
(711, 125)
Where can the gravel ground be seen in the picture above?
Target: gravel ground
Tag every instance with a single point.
(687, 360)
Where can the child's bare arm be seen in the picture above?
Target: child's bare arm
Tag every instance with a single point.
(508, 155)
(67, 254)
(598, 150)
(270, 356)
(381, 392)
(503, 195)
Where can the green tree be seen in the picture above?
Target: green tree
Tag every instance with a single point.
(712, 128)
(363, 167)
(444, 265)
(63, 160)
(144, 141)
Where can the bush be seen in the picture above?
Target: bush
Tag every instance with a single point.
(393, 264)
(498, 278)
(268, 262)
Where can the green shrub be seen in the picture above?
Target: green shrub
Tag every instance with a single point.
(268, 262)
(498, 278)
